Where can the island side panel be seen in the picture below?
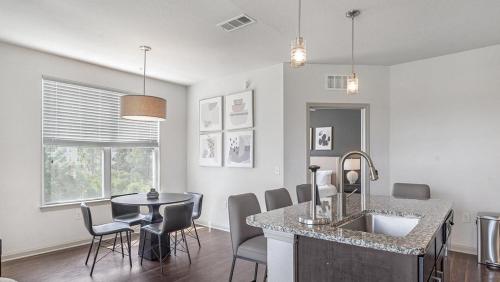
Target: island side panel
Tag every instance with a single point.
(281, 254)
(321, 260)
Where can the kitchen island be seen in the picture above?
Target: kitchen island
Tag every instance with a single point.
(392, 240)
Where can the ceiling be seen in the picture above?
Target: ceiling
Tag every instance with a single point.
(188, 46)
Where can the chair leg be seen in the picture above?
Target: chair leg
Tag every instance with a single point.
(95, 256)
(129, 238)
(196, 232)
(160, 259)
(255, 273)
(175, 245)
(186, 244)
(114, 242)
(121, 243)
(90, 249)
(143, 245)
(265, 275)
(232, 269)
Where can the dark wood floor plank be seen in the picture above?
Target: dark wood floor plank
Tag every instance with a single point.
(210, 263)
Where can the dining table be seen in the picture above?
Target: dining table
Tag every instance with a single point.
(151, 251)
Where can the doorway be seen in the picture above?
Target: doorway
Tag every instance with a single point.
(332, 130)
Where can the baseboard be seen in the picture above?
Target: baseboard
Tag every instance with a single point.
(213, 226)
(463, 249)
(51, 249)
(44, 250)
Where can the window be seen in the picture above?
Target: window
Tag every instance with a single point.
(132, 169)
(89, 152)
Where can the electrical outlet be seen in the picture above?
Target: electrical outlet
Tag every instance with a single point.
(466, 217)
(78, 215)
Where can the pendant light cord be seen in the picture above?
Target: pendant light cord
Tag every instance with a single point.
(300, 9)
(144, 69)
(352, 44)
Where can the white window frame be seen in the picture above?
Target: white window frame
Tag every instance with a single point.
(106, 156)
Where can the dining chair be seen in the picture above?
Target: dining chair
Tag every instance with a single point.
(197, 200)
(130, 215)
(277, 199)
(103, 230)
(304, 193)
(248, 242)
(411, 191)
(175, 218)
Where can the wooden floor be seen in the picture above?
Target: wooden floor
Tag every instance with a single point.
(210, 263)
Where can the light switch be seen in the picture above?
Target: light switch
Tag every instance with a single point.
(277, 170)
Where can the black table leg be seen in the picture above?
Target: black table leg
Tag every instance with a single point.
(154, 216)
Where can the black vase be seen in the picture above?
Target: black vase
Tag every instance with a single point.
(153, 194)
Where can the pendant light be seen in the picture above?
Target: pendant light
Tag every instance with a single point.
(143, 107)
(298, 52)
(352, 80)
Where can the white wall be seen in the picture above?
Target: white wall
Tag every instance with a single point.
(21, 71)
(307, 85)
(436, 117)
(218, 183)
(445, 131)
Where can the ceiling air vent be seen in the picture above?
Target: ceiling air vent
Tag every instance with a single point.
(236, 23)
(336, 82)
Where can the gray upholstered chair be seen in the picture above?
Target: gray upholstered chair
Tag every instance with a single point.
(411, 191)
(248, 242)
(103, 230)
(130, 215)
(277, 199)
(304, 193)
(198, 202)
(175, 218)
(125, 213)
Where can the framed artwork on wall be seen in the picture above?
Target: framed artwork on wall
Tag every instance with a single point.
(238, 150)
(211, 114)
(211, 149)
(323, 138)
(238, 112)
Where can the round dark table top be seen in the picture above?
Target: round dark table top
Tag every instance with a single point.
(141, 199)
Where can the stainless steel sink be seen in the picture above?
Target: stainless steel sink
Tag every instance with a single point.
(392, 225)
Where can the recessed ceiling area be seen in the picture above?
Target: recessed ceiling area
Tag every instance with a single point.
(188, 46)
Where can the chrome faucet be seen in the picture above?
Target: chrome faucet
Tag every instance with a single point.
(342, 199)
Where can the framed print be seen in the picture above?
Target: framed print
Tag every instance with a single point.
(323, 139)
(238, 110)
(239, 149)
(211, 114)
(211, 149)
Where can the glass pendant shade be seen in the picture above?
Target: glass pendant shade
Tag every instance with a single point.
(298, 54)
(143, 108)
(352, 81)
(352, 84)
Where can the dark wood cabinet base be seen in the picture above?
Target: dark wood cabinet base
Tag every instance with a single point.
(320, 260)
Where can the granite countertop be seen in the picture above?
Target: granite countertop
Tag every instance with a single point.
(432, 214)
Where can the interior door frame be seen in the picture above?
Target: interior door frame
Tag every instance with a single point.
(365, 135)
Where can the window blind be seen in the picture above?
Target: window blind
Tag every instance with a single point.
(81, 115)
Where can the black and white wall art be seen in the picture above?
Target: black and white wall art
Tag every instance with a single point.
(323, 138)
(238, 110)
(239, 149)
(211, 114)
(211, 149)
